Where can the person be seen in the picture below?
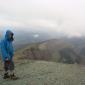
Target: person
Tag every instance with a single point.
(7, 52)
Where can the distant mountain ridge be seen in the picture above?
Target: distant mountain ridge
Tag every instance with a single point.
(57, 50)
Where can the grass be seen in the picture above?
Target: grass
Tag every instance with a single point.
(47, 73)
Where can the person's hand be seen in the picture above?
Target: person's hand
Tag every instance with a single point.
(7, 61)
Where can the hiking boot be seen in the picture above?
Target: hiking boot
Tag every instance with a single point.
(6, 76)
(13, 77)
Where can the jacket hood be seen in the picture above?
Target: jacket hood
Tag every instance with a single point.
(7, 35)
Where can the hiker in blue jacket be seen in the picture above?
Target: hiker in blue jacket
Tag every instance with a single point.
(7, 52)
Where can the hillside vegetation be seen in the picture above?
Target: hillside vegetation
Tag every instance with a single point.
(52, 50)
(46, 73)
(47, 63)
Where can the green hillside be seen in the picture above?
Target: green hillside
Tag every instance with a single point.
(51, 50)
(46, 73)
(41, 64)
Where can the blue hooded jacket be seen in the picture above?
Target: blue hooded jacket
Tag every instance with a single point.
(7, 50)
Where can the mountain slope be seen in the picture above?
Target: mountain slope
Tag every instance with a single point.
(56, 50)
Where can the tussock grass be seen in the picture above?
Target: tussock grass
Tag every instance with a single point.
(47, 73)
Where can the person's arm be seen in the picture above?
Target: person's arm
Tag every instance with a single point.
(10, 50)
(4, 52)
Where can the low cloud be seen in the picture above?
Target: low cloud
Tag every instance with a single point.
(67, 16)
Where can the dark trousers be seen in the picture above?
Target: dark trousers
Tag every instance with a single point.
(8, 65)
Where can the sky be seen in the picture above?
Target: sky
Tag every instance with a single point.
(66, 16)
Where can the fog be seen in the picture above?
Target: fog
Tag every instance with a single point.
(64, 16)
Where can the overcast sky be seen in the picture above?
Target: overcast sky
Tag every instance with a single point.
(58, 15)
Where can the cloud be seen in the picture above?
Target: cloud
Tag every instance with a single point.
(10, 23)
(42, 23)
(66, 16)
(36, 35)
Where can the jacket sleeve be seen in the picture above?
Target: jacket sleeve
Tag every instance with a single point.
(10, 49)
(4, 50)
(0, 48)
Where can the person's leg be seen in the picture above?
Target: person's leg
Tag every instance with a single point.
(6, 69)
(12, 73)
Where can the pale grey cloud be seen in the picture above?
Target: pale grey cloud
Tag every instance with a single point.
(60, 15)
